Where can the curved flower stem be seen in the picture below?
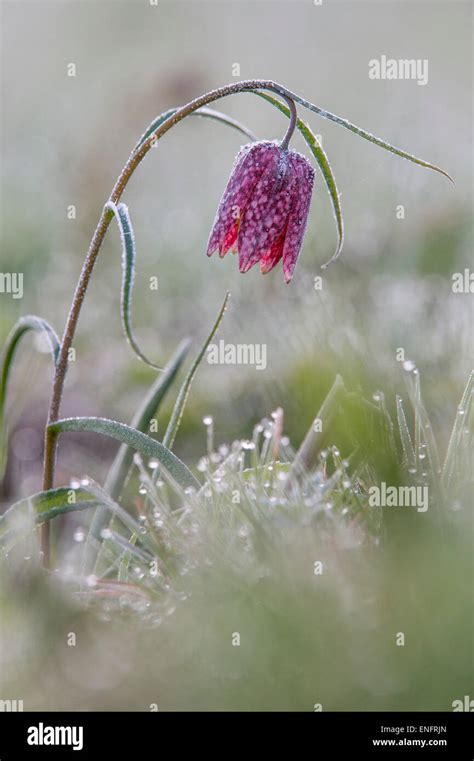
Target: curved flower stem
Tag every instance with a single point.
(291, 127)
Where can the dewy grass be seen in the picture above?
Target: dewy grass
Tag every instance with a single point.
(262, 216)
(279, 554)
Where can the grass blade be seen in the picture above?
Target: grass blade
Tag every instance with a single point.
(24, 325)
(137, 440)
(42, 507)
(173, 425)
(424, 430)
(127, 238)
(363, 133)
(306, 454)
(123, 461)
(409, 456)
(464, 412)
(210, 113)
(117, 475)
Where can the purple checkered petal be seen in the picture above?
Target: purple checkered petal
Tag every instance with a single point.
(266, 214)
(249, 165)
(298, 216)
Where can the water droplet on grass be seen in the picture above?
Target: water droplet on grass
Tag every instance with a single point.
(79, 535)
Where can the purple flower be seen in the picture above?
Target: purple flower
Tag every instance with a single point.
(263, 212)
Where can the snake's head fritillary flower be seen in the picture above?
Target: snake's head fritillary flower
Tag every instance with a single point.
(263, 213)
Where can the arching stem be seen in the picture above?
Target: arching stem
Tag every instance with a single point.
(291, 127)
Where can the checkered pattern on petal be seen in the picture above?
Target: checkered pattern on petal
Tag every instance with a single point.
(298, 216)
(266, 214)
(249, 165)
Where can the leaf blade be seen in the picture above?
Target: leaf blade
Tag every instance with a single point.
(127, 238)
(361, 132)
(24, 325)
(133, 438)
(206, 112)
(117, 475)
(141, 420)
(178, 410)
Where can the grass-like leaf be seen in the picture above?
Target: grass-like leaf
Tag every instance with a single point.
(311, 445)
(117, 475)
(118, 511)
(120, 467)
(462, 422)
(175, 420)
(137, 440)
(39, 508)
(127, 238)
(24, 325)
(209, 113)
(424, 435)
(409, 457)
(363, 133)
(323, 163)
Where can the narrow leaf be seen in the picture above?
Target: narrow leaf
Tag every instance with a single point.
(409, 456)
(424, 428)
(361, 132)
(139, 441)
(44, 506)
(24, 325)
(174, 423)
(141, 421)
(124, 517)
(128, 275)
(306, 454)
(461, 423)
(117, 475)
(210, 113)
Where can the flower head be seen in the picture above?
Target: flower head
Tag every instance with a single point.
(263, 213)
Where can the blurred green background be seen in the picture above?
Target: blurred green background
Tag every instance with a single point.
(65, 139)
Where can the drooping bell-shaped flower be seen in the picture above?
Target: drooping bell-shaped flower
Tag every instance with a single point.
(263, 213)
